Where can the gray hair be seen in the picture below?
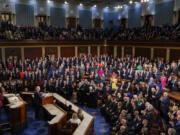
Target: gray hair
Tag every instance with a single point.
(171, 131)
(150, 107)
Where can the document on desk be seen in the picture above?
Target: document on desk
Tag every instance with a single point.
(54, 111)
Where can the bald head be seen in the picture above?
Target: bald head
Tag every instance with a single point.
(165, 94)
(171, 131)
(38, 88)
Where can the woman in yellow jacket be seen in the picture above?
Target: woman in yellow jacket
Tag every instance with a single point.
(114, 82)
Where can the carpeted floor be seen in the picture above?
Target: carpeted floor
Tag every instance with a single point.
(101, 127)
(35, 127)
(40, 127)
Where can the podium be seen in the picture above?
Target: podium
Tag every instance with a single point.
(17, 112)
(59, 115)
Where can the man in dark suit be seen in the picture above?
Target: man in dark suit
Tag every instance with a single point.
(157, 96)
(147, 92)
(37, 102)
(177, 125)
(174, 86)
(165, 102)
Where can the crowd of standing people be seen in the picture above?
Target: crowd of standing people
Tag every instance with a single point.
(9, 31)
(127, 89)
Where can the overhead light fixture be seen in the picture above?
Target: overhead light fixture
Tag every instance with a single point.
(107, 7)
(65, 2)
(130, 2)
(144, 1)
(95, 6)
(80, 4)
(121, 7)
(48, 1)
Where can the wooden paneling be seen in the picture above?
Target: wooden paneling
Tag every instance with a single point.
(119, 51)
(72, 22)
(47, 100)
(144, 52)
(33, 52)
(127, 51)
(103, 50)
(92, 42)
(94, 50)
(106, 50)
(110, 50)
(174, 54)
(51, 51)
(97, 23)
(67, 51)
(82, 50)
(160, 53)
(0, 54)
(13, 52)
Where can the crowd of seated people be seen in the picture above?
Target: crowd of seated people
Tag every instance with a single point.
(44, 32)
(129, 88)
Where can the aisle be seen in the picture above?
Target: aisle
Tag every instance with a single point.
(101, 127)
(35, 127)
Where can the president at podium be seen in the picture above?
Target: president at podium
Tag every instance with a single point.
(37, 102)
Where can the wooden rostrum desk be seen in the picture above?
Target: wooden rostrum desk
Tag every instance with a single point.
(85, 128)
(17, 112)
(59, 116)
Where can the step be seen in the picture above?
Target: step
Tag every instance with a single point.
(3, 124)
(6, 129)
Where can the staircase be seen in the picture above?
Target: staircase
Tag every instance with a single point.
(4, 128)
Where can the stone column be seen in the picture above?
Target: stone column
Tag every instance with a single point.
(76, 51)
(43, 52)
(167, 54)
(133, 51)
(152, 53)
(3, 54)
(22, 53)
(89, 49)
(115, 51)
(122, 51)
(98, 51)
(59, 51)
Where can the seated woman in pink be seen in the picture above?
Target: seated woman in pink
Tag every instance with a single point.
(10, 65)
(101, 72)
(163, 80)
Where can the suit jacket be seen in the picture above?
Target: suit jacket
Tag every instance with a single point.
(174, 86)
(165, 104)
(177, 128)
(37, 99)
(148, 92)
(158, 94)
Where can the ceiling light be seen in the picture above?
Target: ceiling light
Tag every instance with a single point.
(65, 2)
(80, 4)
(130, 2)
(95, 6)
